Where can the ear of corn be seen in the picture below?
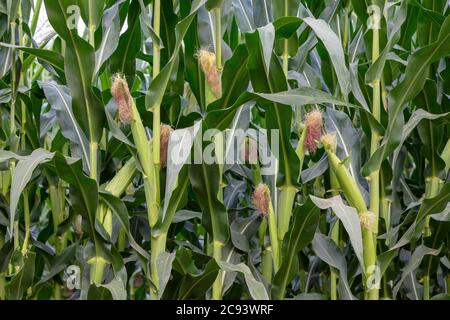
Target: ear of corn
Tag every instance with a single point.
(337, 127)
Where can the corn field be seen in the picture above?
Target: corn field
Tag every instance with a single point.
(224, 149)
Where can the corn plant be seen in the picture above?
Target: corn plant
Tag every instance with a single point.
(224, 149)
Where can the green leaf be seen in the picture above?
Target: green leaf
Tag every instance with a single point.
(91, 11)
(441, 296)
(23, 279)
(48, 56)
(119, 209)
(111, 35)
(79, 64)
(59, 263)
(13, 10)
(376, 69)
(185, 215)
(348, 142)
(414, 120)
(84, 197)
(244, 15)
(99, 293)
(195, 287)
(413, 82)
(179, 151)
(327, 250)
(59, 98)
(124, 58)
(429, 207)
(221, 119)
(158, 86)
(243, 230)
(22, 175)
(301, 233)
(256, 288)
(285, 8)
(414, 263)
(235, 78)
(334, 49)
(349, 218)
(164, 265)
(117, 289)
(205, 180)
(213, 4)
(271, 79)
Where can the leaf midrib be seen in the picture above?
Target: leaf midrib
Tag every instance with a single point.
(82, 75)
(287, 172)
(423, 66)
(293, 252)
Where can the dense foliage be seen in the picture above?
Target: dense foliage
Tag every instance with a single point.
(343, 189)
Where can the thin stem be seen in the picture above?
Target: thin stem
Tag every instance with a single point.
(2, 275)
(116, 187)
(285, 204)
(274, 242)
(16, 235)
(426, 287)
(374, 177)
(26, 210)
(97, 270)
(22, 80)
(217, 286)
(13, 82)
(93, 147)
(23, 138)
(157, 109)
(445, 155)
(286, 43)
(355, 198)
(432, 188)
(99, 264)
(300, 150)
(286, 57)
(218, 245)
(385, 206)
(145, 157)
(447, 284)
(346, 27)
(262, 233)
(91, 24)
(335, 237)
(151, 179)
(121, 241)
(156, 29)
(93, 144)
(267, 264)
(158, 244)
(370, 262)
(218, 38)
(34, 21)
